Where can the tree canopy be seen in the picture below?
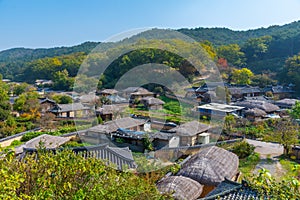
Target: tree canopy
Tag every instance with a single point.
(242, 76)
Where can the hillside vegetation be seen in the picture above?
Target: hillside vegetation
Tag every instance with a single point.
(263, 51)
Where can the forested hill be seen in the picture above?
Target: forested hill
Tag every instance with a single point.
(25, 54)
(262, 50)
(224, 36)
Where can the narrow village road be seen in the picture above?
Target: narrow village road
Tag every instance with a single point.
(269, 153)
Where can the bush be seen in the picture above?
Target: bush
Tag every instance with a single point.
(243, 149)
(66, 176)
(28, 136)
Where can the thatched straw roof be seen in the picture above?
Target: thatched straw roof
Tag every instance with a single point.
(142, 91)
(180, 187)
(286, 103)
(44, 141)
(263, 105)
(211, 166)
(152, 101)
(108, 109)
(256, 112)
(108, 91)
(112, 126)
(190, 128)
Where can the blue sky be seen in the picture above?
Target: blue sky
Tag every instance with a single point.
(49, 23)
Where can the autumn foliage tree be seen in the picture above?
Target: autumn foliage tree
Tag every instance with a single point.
(242, 76)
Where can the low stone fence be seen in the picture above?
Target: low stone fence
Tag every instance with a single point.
(4, 142)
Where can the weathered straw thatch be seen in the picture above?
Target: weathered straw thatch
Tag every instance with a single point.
(112, 126)
(45, 141)
(256, 112)
(211, 166)
(180, 187)
(286, 103)
(190, 128)
(263, 105)
(152, 101)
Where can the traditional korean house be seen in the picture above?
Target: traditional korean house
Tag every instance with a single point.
(267, 107)
(286, 103)
(73, 110)
(119, 158)
(219, 110)
(42, 141)
(136, 97)
(180, 187)
(108, 112)
(103, 133)
(231, 190)
(255, 114)
(210, 167)
(240, 92)
(279, 91)
(152, 103)
(88, 99)
(47, 104)
(107, 92)
(189, 134)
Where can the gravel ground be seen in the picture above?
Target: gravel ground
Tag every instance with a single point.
(269, 153)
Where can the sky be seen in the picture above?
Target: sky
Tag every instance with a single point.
(52, 23)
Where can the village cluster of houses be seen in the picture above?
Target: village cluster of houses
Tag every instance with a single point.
(209, 174)
(249, 102)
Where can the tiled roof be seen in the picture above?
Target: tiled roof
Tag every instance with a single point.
(47, 100)
(279, 89)
(244, 90)
(229, 190)
(120, 157)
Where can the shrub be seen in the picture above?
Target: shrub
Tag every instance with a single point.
(66, 176)
(243, 149)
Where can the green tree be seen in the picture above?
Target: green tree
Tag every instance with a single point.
(62, 81)
(62, 99)
(20, 88)
(85, 84)
(233, 54)
(269, 188)
(208, 47)
(262, 80)
(229, 123)
(5, 107)
(285, 133)
(295, 111)
(242, 76)
(256, 48)
(291, 71)
(28, 103)
(65, 175)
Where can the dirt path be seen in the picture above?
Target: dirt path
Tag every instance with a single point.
(269, 153)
